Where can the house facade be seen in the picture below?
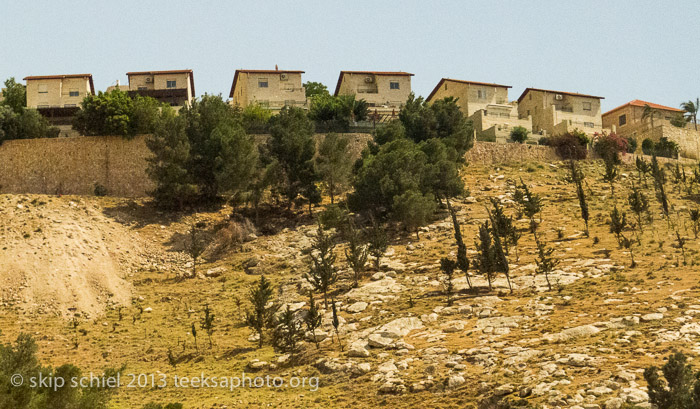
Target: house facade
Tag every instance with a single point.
(58, 97)
(273, 89)
(175, 87)
(559, 112)
(628, 120)
(384, 91)
(485, 104)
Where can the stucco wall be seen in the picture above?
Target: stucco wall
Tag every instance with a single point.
(57, 92)
(378, 92)
(548, 113)
(73, 165)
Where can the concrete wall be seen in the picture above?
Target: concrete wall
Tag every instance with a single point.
(378, 92)
(73, 165)
(55, 92)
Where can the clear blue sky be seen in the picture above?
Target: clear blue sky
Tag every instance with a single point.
(621, 50)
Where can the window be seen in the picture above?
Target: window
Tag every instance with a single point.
(262, 83)
(394, 85)
(528, 112)
(73, 93)
(481, 94)
(622, 120)
(170, 84)
(586, 106)
(43, 89)
(588, 124)
(143, 88)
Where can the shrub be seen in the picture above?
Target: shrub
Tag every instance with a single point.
(632, 145)
(680, 389)
(648, 146)
(99, 189)
(569, 146)
(519, 134)
(232, 234)
(666, 148)
(609, 147)
(334, 217)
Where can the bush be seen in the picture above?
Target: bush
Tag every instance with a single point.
(232, 234)
(519, 134)
(569, 146)
(667, 148)
(609, 146)
(680, 387)
(99, 190)
(648, 146)
(334, 217)
(631, 145)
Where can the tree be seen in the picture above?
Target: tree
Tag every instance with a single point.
(207, 323)
(618, 223)
(14, 95)
(334, 163)
(649, 113)
(414, 209)
(322, 273)
(545, 262)
(313, 88)
(448, 268)
(519, 134)
(313, 318)
(639, 204)
(679, 390)
(485, 260)
(691, 111)
(195, 245)
(679, 120)
(577, 177)
(337, 112)
(193, 331)
(500, 259)
(168, 167)
(659, 185)
(530, 203)
(356, 253)
(235, 164)
(261, 317)
(255, 117)
(462, 259)
(288, 333)
(695, 218)
(336, 323)
(292, 145)
(378, 242)
(643, 167)
(27, 124)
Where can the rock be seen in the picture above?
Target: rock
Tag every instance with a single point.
(387, 367)
(358, 350)
(320, 335)
(215, 272)
(652, 317)
(691, 329)
(626, 376)
(599, 391)
(357, 307)
(502, 390)
(256, 365)
(470, 200)
(379, 341)
(453, 326)
(400, 327)
(455, 381)
(362, 368)
(378, 276)
(525, 392)
(571, 333)
(614, 403)
(251, 262)
(148, 309)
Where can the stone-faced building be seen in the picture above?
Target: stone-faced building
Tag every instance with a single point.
(384, 91)
(272, 89)
(485, 104)
(559, 112)
(175, 87)
(58, 97)
(628, 120)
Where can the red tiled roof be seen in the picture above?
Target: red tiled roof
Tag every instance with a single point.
(235, 76)
(574, 94)
(393, 73)
(640, 103)
(58, 77)
(128, 74)
(442, 81)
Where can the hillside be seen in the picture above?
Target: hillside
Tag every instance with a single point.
(583, 343)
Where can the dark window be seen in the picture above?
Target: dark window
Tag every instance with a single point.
(394, 85)
(586, 106)
(262, 83)
(171, 84)
(73, 93)
(622, 120)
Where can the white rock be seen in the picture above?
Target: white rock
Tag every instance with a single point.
(357, 307)
(652, 317)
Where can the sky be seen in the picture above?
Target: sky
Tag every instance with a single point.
(622, 50)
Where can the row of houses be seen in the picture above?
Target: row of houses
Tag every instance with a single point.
(541, 111)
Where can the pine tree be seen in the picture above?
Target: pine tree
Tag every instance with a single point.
(618, 223)
(194, 335)
(357, 252)
(288, 333)
(207, 323)
(695, 218)
(195, 245)
(500, 259)
(681, 387)
(448, 268)
(313, 318)
(530, 203)
(545, 262)
(261, 317)
(577, 177)
(462, 259)
(322, 273)
(336, 323)
(378, 242)
(639, 204)
(659, 181)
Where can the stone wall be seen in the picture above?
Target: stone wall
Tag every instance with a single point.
(688, 139)
(487, 153)
(73, 165)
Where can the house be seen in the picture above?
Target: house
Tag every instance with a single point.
(175, 87)
(272, 89)
(559, 112)
(485, 104)
(58, 97)
(628, 120)
(384, 91)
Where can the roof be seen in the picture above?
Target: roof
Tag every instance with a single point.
(59, 77)
(392, 73)
(442, 81)
(128, 74)
(640, 103)
(573, 94)
(235, 76)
